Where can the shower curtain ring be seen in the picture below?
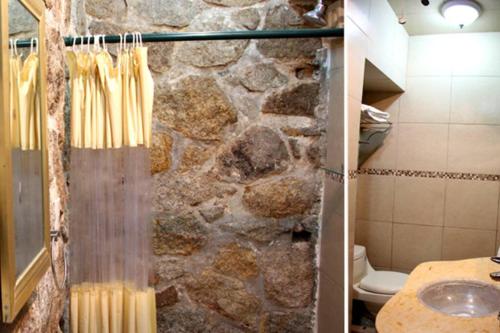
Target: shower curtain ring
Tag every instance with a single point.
(54, 236)
(33, 45)
(104, 42)
(15, 46)
(125, 41)
(120, 46)
(96, 43)
(138, 39)
(11, 44)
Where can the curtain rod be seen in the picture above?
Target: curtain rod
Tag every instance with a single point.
(206, 36)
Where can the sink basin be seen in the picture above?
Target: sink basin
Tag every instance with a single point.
(461, 298)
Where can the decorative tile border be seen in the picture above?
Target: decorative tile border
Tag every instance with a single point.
(353, 174)
(430, 174)
(377, 172)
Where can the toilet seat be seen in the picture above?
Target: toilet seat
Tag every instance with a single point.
(383, 282)
(370, 286)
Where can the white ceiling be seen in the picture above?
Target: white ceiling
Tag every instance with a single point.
(424, 20)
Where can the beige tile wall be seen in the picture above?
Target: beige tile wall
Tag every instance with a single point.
(377, 237)
(435, 91)
(422, 146)
(419, 201)
(375, 198)
(467, 243)
(498, 242)
(413, 244)
(352, 194)
(372, 34)
(447, 120)
(330, 316)
(474, 148)
(471, 204)
(330, 306)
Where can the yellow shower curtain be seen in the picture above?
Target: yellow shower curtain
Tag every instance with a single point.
(24, 105)
(111, 119)
(111, 106)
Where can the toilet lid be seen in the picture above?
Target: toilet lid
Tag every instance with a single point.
(383, 282)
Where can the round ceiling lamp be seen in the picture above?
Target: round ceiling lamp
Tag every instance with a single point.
(461, 12)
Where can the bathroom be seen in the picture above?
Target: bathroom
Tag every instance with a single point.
(198, 208)
(424, 185)
(249, 166)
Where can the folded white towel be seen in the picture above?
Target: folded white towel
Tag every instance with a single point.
(374, 120)
(375, 111)
(373, 115)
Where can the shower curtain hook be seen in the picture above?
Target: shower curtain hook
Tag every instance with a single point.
(11, 43)
(125, 41)
(96, 43)
(133, 40)
(81, 43)
(34, 45)
(120, 44)
(139, 39)
(15, 46)
(104, 42)
(73, 48)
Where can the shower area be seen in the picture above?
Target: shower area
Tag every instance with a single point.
(245, 180)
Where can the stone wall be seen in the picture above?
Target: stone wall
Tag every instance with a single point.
(44, 309)
(239, 135)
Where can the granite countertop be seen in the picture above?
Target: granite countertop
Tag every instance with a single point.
(404, 313)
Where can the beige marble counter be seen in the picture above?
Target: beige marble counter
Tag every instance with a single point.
(404, 313)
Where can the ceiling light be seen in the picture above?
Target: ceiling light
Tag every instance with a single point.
(461, 12)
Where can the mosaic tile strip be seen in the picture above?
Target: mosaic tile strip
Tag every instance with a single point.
(353, 174)
(430, 174)
(377, 172)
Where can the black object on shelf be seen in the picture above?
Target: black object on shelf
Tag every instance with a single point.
(371, 138)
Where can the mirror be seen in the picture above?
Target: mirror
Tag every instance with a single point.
(25, 136)
(24, 255)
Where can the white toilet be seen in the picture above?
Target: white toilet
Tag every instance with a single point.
(373, 287)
